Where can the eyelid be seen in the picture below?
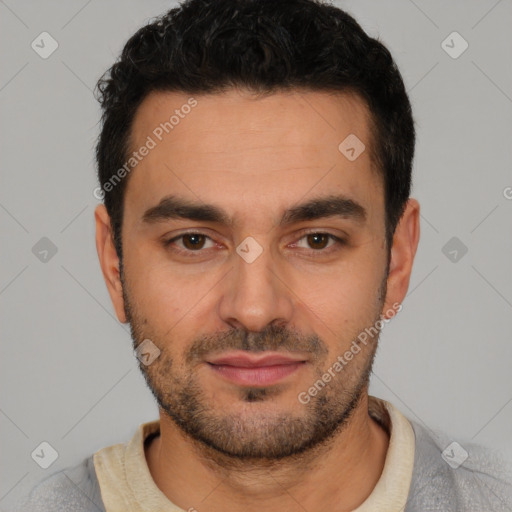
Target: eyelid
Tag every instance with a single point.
(338, 241)
(169, 241)
(322, 231)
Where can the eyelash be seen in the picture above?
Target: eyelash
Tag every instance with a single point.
(316, 252)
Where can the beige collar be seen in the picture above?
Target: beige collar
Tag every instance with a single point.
(392, 489)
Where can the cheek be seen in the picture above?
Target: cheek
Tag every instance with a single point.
(340, 306)
(342, 301)
(167, 300)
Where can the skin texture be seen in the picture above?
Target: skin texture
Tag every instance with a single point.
(226, 446)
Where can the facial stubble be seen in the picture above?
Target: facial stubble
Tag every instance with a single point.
(261, 437)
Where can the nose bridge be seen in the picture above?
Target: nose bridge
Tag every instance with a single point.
(255, 295)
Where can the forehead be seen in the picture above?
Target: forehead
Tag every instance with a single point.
(236, 147)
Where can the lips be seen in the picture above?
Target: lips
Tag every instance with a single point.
(251, 361)
(250, 370)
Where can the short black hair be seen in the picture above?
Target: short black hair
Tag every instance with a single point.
(264, 46)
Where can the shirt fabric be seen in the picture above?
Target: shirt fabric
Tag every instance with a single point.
(416, 476)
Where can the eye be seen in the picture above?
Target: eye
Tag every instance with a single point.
(190, 242)
(318, 241)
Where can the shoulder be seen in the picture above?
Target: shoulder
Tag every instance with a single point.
(73, 489)
(457, 476)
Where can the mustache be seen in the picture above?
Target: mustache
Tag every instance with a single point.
(273, 337)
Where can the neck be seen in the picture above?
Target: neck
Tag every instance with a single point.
(340, 474)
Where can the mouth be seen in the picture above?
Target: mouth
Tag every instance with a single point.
(262, 370)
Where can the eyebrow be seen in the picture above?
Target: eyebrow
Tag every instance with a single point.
(173, 207)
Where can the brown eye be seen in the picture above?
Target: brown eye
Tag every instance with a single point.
(193, 241)
(189, 243)
(319, 243)
(318, 240)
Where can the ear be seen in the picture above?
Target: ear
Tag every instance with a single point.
(405, 243)
(109, 260)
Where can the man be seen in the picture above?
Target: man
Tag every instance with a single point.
(257, 233)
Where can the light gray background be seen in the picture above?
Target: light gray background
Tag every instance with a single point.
(68, 375)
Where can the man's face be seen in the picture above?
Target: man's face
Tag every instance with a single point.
(305, 297)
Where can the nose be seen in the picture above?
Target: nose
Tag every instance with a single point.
(256, 294)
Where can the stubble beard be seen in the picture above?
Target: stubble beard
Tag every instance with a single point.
(265, 437)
